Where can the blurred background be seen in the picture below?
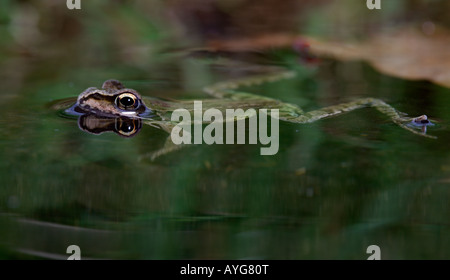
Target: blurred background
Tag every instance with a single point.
(334, 188)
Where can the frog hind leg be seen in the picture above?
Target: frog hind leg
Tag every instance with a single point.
(168, 146)
(292, 113)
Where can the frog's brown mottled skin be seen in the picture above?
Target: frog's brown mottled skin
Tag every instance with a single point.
(101, 101)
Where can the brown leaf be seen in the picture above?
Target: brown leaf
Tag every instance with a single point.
(407, 53)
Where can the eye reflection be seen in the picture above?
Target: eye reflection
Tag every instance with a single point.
(127, 127)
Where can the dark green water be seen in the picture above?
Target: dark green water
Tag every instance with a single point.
(334, 188)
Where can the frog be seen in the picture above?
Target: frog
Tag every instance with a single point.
(114, 107)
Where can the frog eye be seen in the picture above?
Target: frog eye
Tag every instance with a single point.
(127, 101)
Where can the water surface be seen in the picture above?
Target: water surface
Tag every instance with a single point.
(334, 188)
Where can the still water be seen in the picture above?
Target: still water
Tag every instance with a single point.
(334, 188)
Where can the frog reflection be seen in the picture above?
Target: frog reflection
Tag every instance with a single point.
(123, 126)
(126, 106)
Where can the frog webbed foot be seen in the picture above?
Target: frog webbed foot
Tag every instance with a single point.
(422, 120)
(420, 123)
